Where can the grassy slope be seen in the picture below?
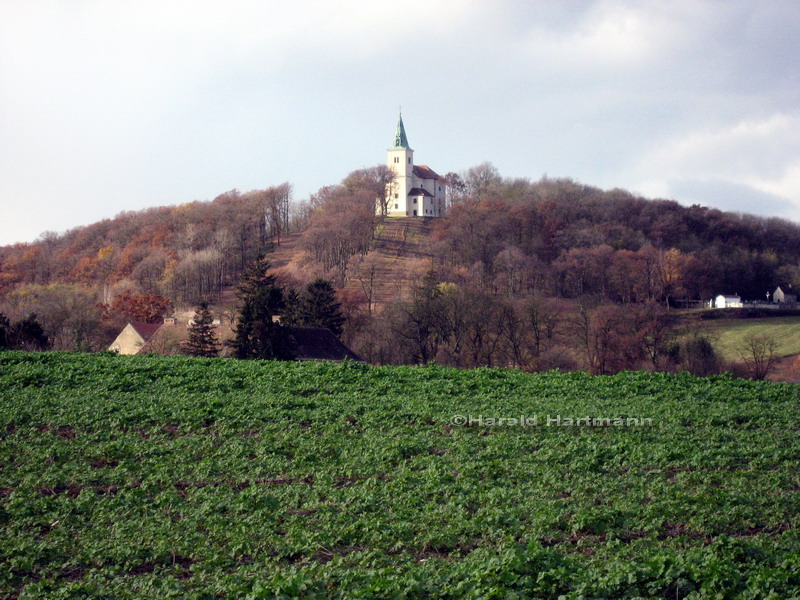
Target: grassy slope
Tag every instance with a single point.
(157, 477)
(730, 334)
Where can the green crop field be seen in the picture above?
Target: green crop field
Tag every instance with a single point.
(148, 477)
(730, 334)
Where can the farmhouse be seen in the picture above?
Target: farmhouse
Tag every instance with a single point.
(133, 337)
(781, 297)
(728, 301)
(417, 190)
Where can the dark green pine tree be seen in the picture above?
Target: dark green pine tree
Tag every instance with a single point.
(256, 334)
(4, 331)
(320, 308)
(28, 334)
(292, 309)
(202, 337)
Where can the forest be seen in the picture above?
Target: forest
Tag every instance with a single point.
(531, 274)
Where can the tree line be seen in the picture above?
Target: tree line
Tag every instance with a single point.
(188, 252)
(533, 274)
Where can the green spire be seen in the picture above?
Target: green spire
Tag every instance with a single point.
(400, 139)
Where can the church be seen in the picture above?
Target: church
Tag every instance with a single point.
(417, 191)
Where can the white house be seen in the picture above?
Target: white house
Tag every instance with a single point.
(417, 190)
(133, 337)
(728, 301)
(781, 297)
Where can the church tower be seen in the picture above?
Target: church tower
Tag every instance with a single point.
(417, 191)
(400, 159)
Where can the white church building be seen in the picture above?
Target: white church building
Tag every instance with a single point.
(417, 190)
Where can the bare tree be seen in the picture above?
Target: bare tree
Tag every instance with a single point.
(480, 179)
(513, 334)
(654, 326)
(342, 226)
(197, 277)
(366, 273)
(455, 189)
(758, 353)
(374, 180)
(274, 205)
(545, 321)
(150, 270)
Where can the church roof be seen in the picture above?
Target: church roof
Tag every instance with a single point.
(425, 172)
(419, 192)
(400, 139)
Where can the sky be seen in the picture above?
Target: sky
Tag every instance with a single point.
(110, 106)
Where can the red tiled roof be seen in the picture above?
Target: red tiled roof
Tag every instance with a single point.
(146, 330)
(425, 172)
(419, 192)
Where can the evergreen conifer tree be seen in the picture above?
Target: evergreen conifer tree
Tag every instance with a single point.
(256, 335)
(293, 305)
(4, 331)
(320, 308)
(28, 334)
(202, 338)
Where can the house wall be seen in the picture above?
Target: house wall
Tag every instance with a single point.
(722, 302)
(127, 342)
(780, 297)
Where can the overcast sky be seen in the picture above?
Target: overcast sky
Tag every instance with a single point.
(110, 106)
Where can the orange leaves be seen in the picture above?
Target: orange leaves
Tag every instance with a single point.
(147, 308)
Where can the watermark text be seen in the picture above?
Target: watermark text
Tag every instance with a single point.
(548, 421)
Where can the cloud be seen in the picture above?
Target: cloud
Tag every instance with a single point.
(756, 156)
(111, 106)
(732, 196)
(609, 37)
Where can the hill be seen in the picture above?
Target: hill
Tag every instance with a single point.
(504, 245)
(166, 476)
(195, 250)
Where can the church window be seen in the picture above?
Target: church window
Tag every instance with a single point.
(409, 160)
(395, 206)
(395, 195)
(415, 200)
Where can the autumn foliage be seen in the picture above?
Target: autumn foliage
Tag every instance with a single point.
(530, 274)
(146, 308)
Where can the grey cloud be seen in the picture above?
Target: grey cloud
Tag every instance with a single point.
(731, 196)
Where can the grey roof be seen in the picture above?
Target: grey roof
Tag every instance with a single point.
(319, 343)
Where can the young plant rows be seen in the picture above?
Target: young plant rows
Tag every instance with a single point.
(173, 477)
